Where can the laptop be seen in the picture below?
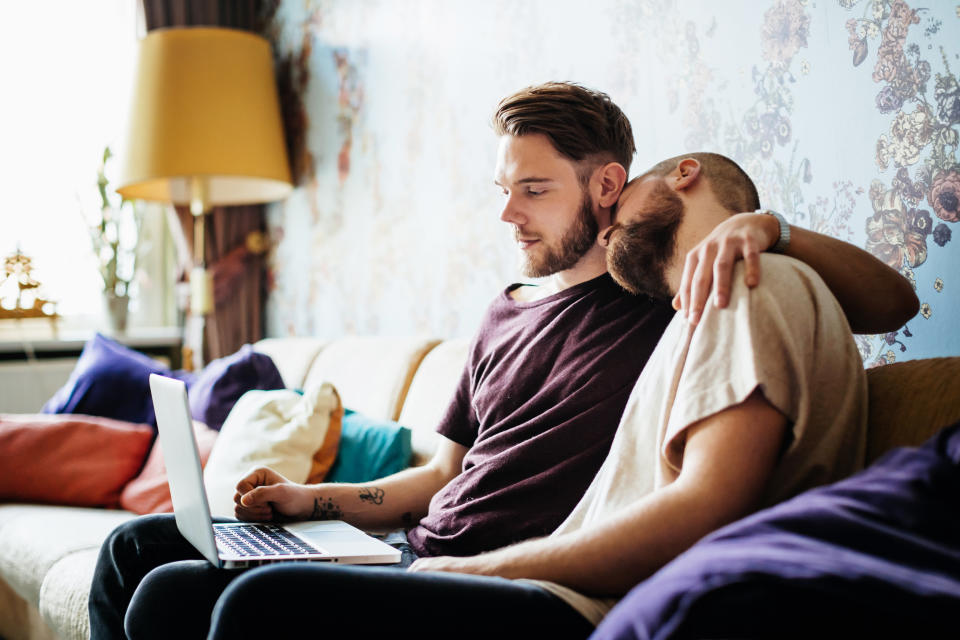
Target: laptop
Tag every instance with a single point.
(243, 544)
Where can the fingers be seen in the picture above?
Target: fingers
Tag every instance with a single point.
(258, 477)
(438, 563)
(258, 514)
(751, 262)
(681, 301)
(257, 504)
(701, 283)
(723, 274)
(261, 496)
(710, 265)
(253, 493)
(250, 481)
(418, 565)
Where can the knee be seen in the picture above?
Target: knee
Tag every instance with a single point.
(175, 600)
(142, 528)
(246, 593)
(151, 605)
(249, 607)
(128, 537)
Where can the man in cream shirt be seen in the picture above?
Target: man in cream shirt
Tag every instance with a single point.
(754, 403)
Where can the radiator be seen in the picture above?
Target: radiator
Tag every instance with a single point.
(25, 385)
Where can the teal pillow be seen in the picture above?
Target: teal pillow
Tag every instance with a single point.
(370, 449)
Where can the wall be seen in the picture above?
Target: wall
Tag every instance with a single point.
(845, 113)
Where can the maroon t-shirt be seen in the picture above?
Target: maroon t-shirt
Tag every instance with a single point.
(538, 403)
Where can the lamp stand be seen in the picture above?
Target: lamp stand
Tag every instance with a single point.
(201, 280)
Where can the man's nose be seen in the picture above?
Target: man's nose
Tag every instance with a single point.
(511, 214)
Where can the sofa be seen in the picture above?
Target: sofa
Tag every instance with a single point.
(48, 552)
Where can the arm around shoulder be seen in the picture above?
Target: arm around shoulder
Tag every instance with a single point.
(874, 297)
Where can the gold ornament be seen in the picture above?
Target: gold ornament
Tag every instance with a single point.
(19, 291)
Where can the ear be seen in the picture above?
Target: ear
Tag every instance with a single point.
(611, 177)
(686, 174)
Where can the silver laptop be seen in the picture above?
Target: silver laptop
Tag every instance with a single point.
(235, 545)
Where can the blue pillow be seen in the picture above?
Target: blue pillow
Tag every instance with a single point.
(221, 383)
(370, 449)
(112, 381)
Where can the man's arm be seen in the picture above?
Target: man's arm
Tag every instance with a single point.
(874, 297)
(728, 458)
(399, 500)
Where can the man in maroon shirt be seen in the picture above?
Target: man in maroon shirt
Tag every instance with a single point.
(539, 400)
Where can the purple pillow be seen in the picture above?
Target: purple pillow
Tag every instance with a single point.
(221, 383)
(876, 555)
(112, 381)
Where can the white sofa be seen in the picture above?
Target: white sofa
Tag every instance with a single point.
(48, 553)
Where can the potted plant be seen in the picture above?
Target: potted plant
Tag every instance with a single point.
(114, 232)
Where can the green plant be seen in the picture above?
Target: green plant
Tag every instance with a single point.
(114, 233)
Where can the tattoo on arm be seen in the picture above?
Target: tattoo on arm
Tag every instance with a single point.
(325, 510)
(372, 495)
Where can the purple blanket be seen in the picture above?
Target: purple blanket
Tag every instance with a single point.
(875, 555)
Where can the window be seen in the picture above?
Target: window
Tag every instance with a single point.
(68, 70)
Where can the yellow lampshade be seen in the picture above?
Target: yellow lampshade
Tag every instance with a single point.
(204, 106)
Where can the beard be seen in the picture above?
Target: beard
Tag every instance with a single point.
(640, 252)
(578, 238)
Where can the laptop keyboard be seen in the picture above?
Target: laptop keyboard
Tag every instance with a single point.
(255, 540)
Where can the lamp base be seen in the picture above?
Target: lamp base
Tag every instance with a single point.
(193, 343)
(201, 291)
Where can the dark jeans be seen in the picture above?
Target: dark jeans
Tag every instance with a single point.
(151, 583)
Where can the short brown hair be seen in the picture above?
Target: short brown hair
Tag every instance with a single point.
(582, 124)
(730, 184)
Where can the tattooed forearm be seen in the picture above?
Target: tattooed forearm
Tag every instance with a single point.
(326, 509)
(372, 495)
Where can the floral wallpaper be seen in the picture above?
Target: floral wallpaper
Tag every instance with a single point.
(846, 113)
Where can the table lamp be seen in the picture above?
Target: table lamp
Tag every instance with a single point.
(204, 130)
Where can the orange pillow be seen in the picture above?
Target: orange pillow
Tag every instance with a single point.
(326, 455)
(69, 459)
(149, 491)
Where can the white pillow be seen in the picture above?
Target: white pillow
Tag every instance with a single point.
(280, 429)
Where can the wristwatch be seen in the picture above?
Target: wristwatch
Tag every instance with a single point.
(783, 241)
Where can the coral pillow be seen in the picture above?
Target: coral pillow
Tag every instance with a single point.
(112, 381)
(69, 459)
(221, 383)
(149, 491)
(295, 435)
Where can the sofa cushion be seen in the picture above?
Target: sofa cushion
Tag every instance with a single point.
(11, 512)
(372, 374)
(280, 429)
(293, 357)
(431, 390)
(221, 383)
(149, 491)
(68, 459)
(36, 538)
(909, 401)
(65, 593)
(370, 449)
(112, 381)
